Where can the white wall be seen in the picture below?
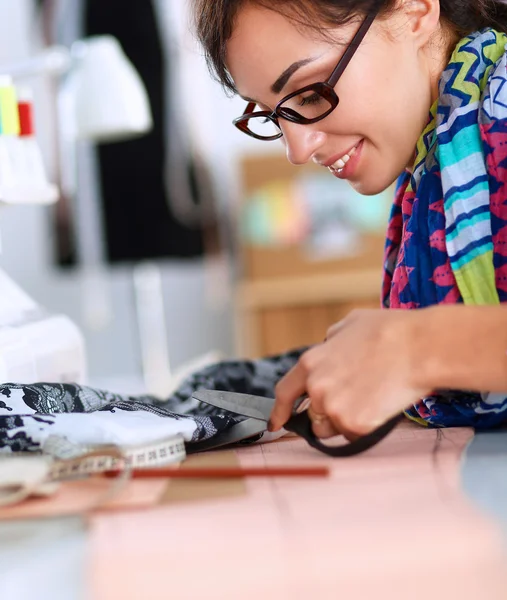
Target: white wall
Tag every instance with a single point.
(195, 325)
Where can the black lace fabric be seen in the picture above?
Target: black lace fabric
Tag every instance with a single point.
(25, 408)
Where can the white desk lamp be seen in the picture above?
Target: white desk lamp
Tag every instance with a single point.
(111, 101)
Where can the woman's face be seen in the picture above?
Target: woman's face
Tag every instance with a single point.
(385, 92)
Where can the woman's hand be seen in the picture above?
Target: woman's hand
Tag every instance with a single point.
(376, 363)
(363, 374)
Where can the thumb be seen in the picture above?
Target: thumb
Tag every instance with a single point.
(291, 387)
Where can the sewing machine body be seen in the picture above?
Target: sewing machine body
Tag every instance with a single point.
(36, 345)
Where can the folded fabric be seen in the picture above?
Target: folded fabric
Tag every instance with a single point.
(120, 428)
(30, 413)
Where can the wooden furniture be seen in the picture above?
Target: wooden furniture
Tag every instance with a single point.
(284, 299)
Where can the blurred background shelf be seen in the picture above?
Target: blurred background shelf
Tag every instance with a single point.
(357, 285)
(286, 295)
(276, 315)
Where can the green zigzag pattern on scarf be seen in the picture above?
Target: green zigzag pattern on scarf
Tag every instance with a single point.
(453, 132)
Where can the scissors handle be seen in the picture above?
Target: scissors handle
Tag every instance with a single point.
(301, 425)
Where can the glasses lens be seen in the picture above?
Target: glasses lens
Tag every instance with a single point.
(263, 127)
(309, 105)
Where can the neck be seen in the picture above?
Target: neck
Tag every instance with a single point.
(440, 55)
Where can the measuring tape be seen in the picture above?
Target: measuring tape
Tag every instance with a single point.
(24, 474)
(75, 461)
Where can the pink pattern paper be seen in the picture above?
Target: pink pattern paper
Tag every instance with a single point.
(389, 524)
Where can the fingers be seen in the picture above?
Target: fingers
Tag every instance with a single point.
(334, 329)
(324, 426)
(345, 398)
(288, 390)
(321, 424)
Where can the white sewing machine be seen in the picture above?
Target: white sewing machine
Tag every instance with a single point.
(36, 345)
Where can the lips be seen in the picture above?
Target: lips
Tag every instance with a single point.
(339, 162)
(350, 163)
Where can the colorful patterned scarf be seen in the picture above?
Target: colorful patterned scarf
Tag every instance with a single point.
(447, 237)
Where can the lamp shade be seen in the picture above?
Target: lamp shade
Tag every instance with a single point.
(111, 100)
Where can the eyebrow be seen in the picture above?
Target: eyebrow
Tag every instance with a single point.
(281, 82)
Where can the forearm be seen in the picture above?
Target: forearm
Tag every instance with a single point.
(461, 347)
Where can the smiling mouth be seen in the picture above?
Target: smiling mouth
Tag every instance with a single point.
(339, 165)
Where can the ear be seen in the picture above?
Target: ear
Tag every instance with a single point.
(423, 19)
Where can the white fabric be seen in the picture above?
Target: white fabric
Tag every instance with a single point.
(122, 428)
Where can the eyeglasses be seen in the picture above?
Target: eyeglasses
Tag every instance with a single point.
(305, 106)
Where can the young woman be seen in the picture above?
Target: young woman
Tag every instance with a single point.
(371, 89)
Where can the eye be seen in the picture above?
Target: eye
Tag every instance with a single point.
(310, 100)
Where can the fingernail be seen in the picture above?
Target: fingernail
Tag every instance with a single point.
(271, 426)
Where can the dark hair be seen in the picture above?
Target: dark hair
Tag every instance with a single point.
(214, 20)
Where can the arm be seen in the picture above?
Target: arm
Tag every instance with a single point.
(376, 363)
(470, 352)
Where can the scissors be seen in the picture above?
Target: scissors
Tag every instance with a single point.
(259, 409)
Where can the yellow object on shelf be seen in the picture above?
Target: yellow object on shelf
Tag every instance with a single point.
(9, 115)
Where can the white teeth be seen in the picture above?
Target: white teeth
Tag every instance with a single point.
(339, 165)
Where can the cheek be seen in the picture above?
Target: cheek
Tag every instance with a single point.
(393, 109)
(389, 107)
(404, 95)
(385, 92)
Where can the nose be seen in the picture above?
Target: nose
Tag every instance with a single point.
(301, 141)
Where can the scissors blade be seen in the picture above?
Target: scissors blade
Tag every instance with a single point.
(246, 405)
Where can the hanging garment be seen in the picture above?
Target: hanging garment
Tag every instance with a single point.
(30, 413)
(139, 223)
(448, 230)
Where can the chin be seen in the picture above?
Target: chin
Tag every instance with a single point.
(372, 186)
